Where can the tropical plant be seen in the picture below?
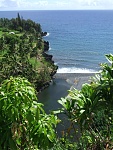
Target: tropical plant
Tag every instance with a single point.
(90, 110)
(18, 49)
(23, 123)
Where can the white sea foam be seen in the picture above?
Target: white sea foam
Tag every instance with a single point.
(75, 70)
(49, 48)
(48, 34)
(56, 63)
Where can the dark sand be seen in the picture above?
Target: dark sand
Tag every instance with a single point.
(59, 88)
(75, 79)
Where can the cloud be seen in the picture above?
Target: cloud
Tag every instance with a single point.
(8, 3)
(100, 3)
(23, 4)
(61, 3)
(91, 4)
(35, 4)
(43, 3)
(55, 4)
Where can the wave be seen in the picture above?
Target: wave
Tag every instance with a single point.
(56, 63)
(75, 70)
(48, 34)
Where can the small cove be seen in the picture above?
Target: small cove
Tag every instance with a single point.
(59, 88)
(50, 96)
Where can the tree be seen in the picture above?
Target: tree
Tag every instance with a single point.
(19, 21)
(1, 43)
(14, 61)
(17, 49)
(23, 122)
(91, 109)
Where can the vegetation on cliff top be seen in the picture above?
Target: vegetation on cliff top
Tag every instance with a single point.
(22, 52)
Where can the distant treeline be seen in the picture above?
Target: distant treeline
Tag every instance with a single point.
(20, 24)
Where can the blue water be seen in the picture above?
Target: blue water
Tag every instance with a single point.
(78, 40)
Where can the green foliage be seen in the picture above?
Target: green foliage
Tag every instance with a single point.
(64, 144)
(23, 122)
(14, 62)
(21, 52)
(91, 109)
(19, 24)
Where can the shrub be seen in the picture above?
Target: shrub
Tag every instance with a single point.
(23, 122)
(91, 109)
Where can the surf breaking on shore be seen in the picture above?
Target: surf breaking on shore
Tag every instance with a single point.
(75, 70)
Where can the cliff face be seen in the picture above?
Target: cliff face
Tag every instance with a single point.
(49, 59)
(50, 70)
(46, 45)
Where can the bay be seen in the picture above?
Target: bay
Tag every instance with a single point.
(79, 39)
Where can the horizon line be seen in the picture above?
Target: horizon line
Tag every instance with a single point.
(60, 10)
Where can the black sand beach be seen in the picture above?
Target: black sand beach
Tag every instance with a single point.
(75, 79)
(59, 88)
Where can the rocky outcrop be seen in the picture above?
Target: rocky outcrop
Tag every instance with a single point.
(46, 45)
(43, 33)
(49, 58)
(52, 68)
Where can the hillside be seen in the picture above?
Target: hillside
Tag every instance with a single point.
(23, 52)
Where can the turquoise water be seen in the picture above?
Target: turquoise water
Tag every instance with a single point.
(78, 40)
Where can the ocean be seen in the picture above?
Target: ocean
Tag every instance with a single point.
(79, 39)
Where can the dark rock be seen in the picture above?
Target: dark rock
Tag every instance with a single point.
(43, 33)
(53, 67)
(48, 57)
(46, 45)
(54, 71)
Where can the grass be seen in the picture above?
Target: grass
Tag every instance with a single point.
(18, 33)
(37, 64)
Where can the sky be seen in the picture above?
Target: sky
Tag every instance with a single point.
(55, 4)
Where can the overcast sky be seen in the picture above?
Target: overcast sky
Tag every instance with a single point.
(55, 4)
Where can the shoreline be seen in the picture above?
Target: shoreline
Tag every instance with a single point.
(65, 75)
(58, 88)
(75, 79)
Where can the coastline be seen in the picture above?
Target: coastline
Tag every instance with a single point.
(75, 79)
(59, 86)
